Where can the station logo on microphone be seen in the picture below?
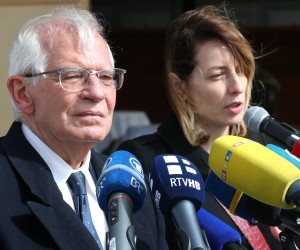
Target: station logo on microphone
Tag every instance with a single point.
(136, 165)
(226, 160)
(181, 172)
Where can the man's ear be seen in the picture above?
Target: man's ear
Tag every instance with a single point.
(177, 84)
(19, 92)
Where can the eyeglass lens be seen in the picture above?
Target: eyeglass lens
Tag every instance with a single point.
(76, 79)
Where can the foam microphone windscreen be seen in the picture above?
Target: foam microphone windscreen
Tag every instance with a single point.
(231, 198)
(241, 204)
(122, 172)
(218, 233)
(174, 178)
(253, 169)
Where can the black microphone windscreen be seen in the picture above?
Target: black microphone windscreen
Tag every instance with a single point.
(174, 178)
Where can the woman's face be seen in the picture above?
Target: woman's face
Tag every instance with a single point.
(216, 89)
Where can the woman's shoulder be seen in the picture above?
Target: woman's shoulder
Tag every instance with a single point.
(145, 148)
(149, 141)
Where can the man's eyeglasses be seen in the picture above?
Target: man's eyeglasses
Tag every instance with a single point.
(76, 79)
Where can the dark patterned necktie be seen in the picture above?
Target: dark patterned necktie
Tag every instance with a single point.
(76, 183)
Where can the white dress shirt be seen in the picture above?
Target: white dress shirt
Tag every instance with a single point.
(61, 172)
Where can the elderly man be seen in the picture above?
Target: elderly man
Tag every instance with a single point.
(62, 83)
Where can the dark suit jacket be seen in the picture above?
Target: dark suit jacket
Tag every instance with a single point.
(33, 214)
(170, 139)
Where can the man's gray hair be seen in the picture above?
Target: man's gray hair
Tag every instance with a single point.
(28, 53)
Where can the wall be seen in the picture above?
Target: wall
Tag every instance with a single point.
(137, 34)
(13, 13)
(141, 53)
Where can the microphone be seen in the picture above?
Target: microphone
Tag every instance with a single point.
(256, 170)
(240, 204)
(231, 198)
(257, 119)
(285, 154)
(275, 217)
(296, 149)
(178, 189)
(220, 235)
(248, 208)
(121, 190)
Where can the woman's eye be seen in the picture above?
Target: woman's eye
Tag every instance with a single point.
(216, 76)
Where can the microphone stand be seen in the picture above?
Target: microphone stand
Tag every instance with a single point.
(290, 235)
(185, 242)
(288, 239)
(190, 235)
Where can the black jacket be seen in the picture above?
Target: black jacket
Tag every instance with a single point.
(33, 214)
(170, 139)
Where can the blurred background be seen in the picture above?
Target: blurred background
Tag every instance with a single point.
(136, 30)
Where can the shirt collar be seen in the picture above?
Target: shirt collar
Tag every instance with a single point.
(59, 168)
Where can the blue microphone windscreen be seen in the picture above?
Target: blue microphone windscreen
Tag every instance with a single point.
(225, 194)
(174, 178)
(247, 207)
(122, 172)
(218, 233)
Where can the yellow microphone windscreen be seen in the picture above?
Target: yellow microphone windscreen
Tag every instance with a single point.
(253, 169)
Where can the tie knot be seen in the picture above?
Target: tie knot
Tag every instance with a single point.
(76, 183)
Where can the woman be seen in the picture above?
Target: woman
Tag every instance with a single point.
(209, 68)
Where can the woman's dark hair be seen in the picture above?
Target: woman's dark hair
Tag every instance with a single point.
(183, 37)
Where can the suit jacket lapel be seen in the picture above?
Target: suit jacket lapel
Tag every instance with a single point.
(97, 164)
(45, 199)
